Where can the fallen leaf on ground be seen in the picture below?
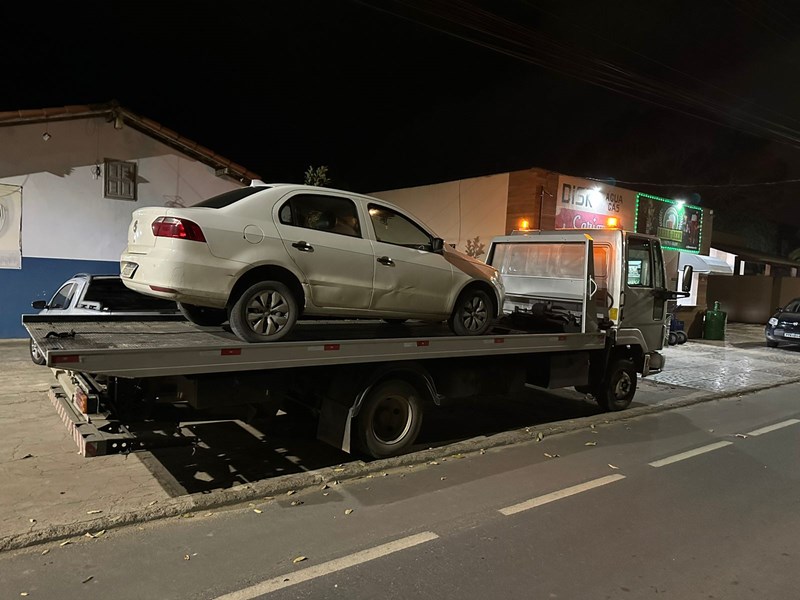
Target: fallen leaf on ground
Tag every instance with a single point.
(539, 436)
(65, 543)
(93, 512)
(590, 444)
(613, 466)
(23, 458)
(338, 470)
(348, 511)
(32, 520)
(443, 478)
(153, 502)
(551, 455)
(290, 492)
(741, 435)
(325, 486)
(297, 502)
(299, 559)
(88, 579)
(45, 551)
(258, 511)
(433, 462)
(187, 557)
(23, 593)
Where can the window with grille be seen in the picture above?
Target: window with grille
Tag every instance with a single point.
(120, 179)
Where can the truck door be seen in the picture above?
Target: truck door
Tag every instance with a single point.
(644, 287)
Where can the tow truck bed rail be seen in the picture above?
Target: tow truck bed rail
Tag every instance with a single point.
(159, 347)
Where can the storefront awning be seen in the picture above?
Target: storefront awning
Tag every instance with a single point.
(707, 265)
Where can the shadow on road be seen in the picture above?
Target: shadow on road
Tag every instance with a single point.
(229, 452)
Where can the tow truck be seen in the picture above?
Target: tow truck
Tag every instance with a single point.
(584, 309)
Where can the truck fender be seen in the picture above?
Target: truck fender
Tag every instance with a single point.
(337, 412)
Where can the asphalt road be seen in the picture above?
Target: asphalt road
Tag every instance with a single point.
(698, 502)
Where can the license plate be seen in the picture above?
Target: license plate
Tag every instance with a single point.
(128, 269)
(791, 335)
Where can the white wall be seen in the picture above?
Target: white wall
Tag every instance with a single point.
(64, 213)
(457, 210)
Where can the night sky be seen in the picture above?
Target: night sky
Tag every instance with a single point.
(697, 99)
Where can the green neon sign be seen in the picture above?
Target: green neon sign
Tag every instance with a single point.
(677, 224)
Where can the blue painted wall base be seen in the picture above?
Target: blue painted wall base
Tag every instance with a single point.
(39, 279)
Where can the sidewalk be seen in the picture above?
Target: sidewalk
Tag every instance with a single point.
(50, 492)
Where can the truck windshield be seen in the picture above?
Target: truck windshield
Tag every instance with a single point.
(112, 295)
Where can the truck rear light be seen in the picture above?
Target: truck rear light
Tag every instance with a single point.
(65, 358)
(172, 227)
(81, 401)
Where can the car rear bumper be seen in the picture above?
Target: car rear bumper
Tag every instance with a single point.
(205, 280)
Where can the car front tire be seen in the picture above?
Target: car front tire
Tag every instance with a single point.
(265, 312)
(36, 355)
(203, 316)
(472, 314)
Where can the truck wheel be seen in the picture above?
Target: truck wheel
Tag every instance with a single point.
(202, 315)
(616, 391)
(472, 314)
(36, 355)
(390, 419)
(265, 312)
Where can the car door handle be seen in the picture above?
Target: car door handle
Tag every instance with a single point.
(303, 246)
(385, 260)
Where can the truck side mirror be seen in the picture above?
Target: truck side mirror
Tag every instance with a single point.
(39, 304)
(437, 245)
(686, 285)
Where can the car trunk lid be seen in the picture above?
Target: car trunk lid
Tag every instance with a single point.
(140, 231)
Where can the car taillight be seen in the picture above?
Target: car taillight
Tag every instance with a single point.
(183, 229)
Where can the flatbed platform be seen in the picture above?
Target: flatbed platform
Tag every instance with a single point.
(165, 347)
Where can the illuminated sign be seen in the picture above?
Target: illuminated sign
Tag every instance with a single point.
(677, 224)
(587, 204)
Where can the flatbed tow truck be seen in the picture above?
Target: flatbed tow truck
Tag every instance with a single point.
(581, 310)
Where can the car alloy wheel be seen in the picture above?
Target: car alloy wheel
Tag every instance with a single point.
(265, 312)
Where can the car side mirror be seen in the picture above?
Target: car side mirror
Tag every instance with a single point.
(686, 285)
(437, 245)
(39, 304)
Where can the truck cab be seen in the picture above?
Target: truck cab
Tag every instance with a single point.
(602, 279)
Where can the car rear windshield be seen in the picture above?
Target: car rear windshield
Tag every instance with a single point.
(112, 295)
(229, 198)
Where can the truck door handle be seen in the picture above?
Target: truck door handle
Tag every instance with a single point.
(303, 246)
(385, 260)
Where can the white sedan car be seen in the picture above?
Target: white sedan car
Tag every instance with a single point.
(260, 257)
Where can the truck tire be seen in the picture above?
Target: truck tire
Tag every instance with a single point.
(617, 389)
(203, 316)
(472, 314)
(36, 355)
(265, 312)
(390, 419)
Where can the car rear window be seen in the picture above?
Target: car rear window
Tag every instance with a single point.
(114, 296)
(228, 198)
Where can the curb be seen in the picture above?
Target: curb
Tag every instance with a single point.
(184, 506)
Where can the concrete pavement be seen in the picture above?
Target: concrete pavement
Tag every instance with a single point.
(49, 492)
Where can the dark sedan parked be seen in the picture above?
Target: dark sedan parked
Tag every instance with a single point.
(784, 325)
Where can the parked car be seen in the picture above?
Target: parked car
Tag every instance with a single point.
(262, 256)
(784, 325)
(98, 295)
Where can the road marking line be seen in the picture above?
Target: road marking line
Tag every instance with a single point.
(690, 454)
(570, 491)
(283, 581)
(769, 428)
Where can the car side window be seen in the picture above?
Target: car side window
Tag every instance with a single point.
(323, 213)
(63, 297)
(393, 228)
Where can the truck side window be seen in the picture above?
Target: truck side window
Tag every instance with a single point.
(63, 297)
(639, 263)
(658, 267)
(393, 228)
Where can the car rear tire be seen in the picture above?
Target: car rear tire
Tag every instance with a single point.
(472, 314)
(203, 316)
(390, 419)
(265, 312)
(617, 389)
(772, 344)
(36, 355)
